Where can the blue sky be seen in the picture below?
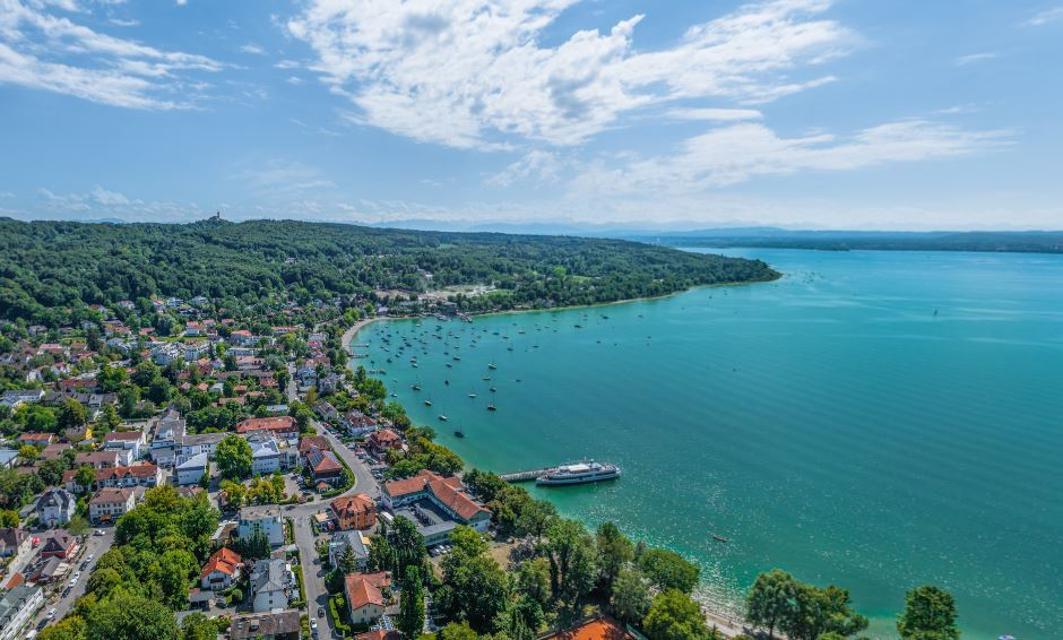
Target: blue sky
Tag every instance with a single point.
(804, 113)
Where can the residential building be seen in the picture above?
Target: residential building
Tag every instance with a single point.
(17, 545)
(343, 540)
(447, 494)
(190, 446)
(58, 544)
(56, 507)
(282, 625)
(15, 397)
(17, 608)
(283, 427)
(99, 459)
(191, 471)
(596, 628)
(133, 441)
(169, 433)
(266, 519)
(325, 466)
(365, 600)
(110, 503)
(383, 440)
(221, 571)
(271, 582)
(354, 512)
(39, 440)
(266, 456)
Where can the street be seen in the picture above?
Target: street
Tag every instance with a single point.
(93, 545)
(313, 571)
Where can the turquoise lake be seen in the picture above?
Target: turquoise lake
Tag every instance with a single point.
(876, 420)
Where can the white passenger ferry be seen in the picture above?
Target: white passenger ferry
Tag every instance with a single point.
(579, 473)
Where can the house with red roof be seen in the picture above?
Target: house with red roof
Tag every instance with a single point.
(354, 512)
(445, 493)
(110, 503)
(221, 570)
(382, 440)
(365, 600)
(325, 466)
(281, 426)
(596, 628)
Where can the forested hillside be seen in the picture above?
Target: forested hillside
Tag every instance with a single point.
(50, 270)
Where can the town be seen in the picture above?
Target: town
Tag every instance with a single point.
(258, 487)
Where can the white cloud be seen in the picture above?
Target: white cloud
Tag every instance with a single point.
(1046, 16)
(279, 178)
(733, 154)
(535, 165)
(181, 3)
(103, 202)
(295, 80)
(118, 22)
(253, 49)
(288, 64)
(717, 115)
(45, 51)
(473, 73)
(973, 58)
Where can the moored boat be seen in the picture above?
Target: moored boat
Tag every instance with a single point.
(579, 473)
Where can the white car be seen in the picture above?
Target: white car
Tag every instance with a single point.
(99, 532)
(51, 613)
(313, 624)
(90, 558)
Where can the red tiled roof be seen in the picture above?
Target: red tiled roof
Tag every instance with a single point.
(224, 560)
(364, 588)
(278, 423)
(596, 629)
(446, 490)
(358, 503)
(323, 462)
(310, 442)
(385, 438)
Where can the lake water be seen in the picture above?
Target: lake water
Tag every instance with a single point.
(877, 420)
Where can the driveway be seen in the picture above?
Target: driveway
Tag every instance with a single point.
(313, 573)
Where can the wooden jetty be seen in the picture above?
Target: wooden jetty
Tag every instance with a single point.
(524, 476)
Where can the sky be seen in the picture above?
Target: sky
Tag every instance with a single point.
(854, 114)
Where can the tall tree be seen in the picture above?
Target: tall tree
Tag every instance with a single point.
(614, 551)
(772, 600)
(669, 570)
(675, 616)
(411, 613)
(929, 614)
(631, 596)
(233, 455)
(570, 551)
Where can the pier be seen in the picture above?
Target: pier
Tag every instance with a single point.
(524, 476)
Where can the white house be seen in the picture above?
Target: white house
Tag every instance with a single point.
(169, 433)
(17, 545)
(266, 519)
(271, 581)
(132, 441)
(17, 608)
(221, 571)
(110, 503)
(190, 446)
(192, 470)
(55, 508)
(266, 456)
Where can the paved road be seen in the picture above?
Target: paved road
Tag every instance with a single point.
(93, 545)
(313, 571)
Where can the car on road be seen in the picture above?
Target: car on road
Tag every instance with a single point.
(51, 613)
(313, 624)
(99, 532)
(91, 557)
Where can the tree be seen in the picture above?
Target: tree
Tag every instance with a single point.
(533, 580)
(614, 551)
(125, 616)
(631, 596)
(475, 588)
(458, 631)
(571, 554)
(675, 616)
(71, 627)
(9, 518)
(535, 517)
(235, 493)
(110, 420)
(821, 610)
(72, 414)
(408, 544)
(28, 452)
(771, 600)
(411, 614)
(929, 614)
(78, 526)
(196, 626)
(233, 455)
(347, 563)
(85, 476)
(176, 567)
(668, 570)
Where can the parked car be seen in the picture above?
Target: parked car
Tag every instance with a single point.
(51, 613)
(98, 532)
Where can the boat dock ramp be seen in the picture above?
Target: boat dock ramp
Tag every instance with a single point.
(524, 476)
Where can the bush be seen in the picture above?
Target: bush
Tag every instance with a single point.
(337, 609)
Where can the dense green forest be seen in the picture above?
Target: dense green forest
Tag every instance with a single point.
(49, 271)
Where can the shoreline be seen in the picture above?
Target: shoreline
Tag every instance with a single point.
(718, 615)
(352, 332)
